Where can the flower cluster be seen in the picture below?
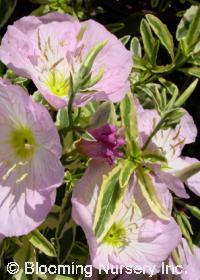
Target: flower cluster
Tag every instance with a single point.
(132, 175)
(105, 145)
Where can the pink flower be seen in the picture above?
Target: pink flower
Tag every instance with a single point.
(51, 47)
(105, 146)
(171, 142)
(30, 169)
(137, 236)
(190, 262)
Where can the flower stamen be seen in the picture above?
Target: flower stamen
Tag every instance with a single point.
(5, 176)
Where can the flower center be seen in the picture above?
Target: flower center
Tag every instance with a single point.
(57, 83)
(116, 236)
(23, 142)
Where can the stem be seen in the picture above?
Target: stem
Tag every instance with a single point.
(158, 126)
(74, 90)
(70, 104)
(180, 202)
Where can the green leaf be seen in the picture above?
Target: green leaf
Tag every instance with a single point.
(176, 257)
(186, 221)
(62, 119)
(186, 94)
(184, 24)
(9, 246)
(41, 10)
(188, 30)
(162, 32)
(41, 243)
(135, 47)
(150, 194)
(125, 39)
(170, 87)
(6, 9)
(193, 34)
(80, 34)
(188, 171)
(139, 63)
(93, 80)
(154, 157)
(129, 123)
(192, 71)
(197, 240)
(184, 229)
(79, 253)
(127, 169)
(109, 199)
(1, 69)
(159, 69)
(66, 230)
(155, 52)
(25, 254)
(195, 60)
(113, 27)
(89, 59)
(195, 211)
(147, 38)
(182, 226)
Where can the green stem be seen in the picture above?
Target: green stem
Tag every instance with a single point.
(74, 90)
(70, 105)
(158, 126)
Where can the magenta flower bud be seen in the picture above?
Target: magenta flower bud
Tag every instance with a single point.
(105, 146)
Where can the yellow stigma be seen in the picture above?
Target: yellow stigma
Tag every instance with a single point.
(116, 236)
(57, 83)
(23, 142)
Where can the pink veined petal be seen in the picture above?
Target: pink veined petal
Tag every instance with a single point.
(84, 200)
(116, 59)
(55, 16)
(38, 53)
(27, 185)
(171, 140)
(153, 236)
(144, 245)
(190, 262)
(23, 212)
(173, 183)
(46, 171)
(188, 128)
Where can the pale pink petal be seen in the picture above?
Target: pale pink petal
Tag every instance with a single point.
(147, 240)
(194, 181)
(171, 141)
(40, 48)
(27, 184)
(23, 211)
(172, 182)
(190, 262)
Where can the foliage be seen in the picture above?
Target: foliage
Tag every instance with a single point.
(165, 76)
